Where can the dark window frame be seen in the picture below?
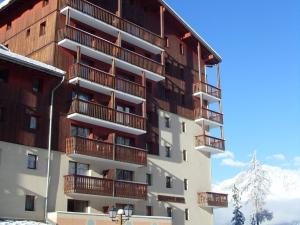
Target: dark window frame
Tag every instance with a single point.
(185, 184)
(43, 28)
(167, 122)
(149, 179)
(30, 125)
(184, 155)
(169, 212)
(149, 210)
(168, 151)
(183, 127)
(28, 31)
(37, 85)
(186, 214)
(168, 182)
(29, 203)
(4, 74)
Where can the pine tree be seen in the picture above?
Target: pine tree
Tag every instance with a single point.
(238, 218)
(257, 186)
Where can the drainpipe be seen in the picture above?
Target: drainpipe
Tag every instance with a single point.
(49, 144)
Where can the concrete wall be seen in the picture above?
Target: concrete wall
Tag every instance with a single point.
(197, 170)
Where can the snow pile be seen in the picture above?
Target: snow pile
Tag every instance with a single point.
(20, 222)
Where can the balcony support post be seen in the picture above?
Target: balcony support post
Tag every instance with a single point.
(119, 10)
(218, 76)
(114, 145)
(144, 103)
(222, 132)
(68, 17)
(162, 21)
(119, 40)
(199, 61)
(78, 54)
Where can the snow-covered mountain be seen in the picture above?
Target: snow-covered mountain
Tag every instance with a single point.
(283, 199)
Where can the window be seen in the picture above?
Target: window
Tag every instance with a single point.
(168, 151)
(82, 96)
(31, 161)
(167, 122)
(168, 68)
(42, 28)
(29, 202)
(4, 75)
(183, 128)
(182, 73)
(124, 175)
(184, 155)
(181, 49)
(124, 141)
(45, 2)
(8, 26)
(36, 85)
(183, 100)
(77, 206)
(80, 131)
(149, 210)
(1, 114)
(28, 32)
(149, 179)
(168, 182)
(33, 123)
(185, 184)
(186, 212)
(169, 212)
(76, 168)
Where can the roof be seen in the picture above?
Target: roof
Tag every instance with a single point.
(7, 55)
(197, 36)
(6, 3)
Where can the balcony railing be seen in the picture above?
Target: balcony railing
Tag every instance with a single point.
(209, 115)
(104, 113)
(108, 48)
(104, 150)
(115, 21)
(208, 141)
(209, 199)
(207, 88)
(104, 187)
(103, 78)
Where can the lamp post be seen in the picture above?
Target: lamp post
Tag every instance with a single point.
(120, 216)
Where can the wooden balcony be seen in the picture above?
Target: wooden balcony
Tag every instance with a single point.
(105, 150)
(114, 21)
(209, 115)
(109, 51)
(205, 141)
(76, 184)
(105, 80)
(210, 199)
(97, 114)
(208, 89)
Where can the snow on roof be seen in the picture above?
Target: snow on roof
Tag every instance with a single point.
(25, 61)
(20, 222)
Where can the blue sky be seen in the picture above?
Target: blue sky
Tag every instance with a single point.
(259, 42)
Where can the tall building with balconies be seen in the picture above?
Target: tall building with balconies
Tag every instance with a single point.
(135, 121)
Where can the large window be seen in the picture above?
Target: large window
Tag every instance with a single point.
(77, 206)
(76, 168)
(29, 202)
(31, 161)
(124, 141)
(80, 131)
(124, 175)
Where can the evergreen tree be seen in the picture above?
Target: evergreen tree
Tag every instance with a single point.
(238, 216)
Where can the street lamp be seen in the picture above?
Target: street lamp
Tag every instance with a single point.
(120, 215)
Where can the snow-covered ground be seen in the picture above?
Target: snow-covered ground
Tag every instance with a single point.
(283, 200)
(20, 222)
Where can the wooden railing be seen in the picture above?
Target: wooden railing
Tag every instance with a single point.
(130, 190)
(207, 88)
(88, 185)
(209, 114)
(115, 21)
(102, 45)
(104, 187)
(212, 199)
(104, 113)
(204, 140)
(101, 149)
(106, 79)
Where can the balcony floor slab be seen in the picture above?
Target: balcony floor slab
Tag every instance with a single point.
(209, 149)
(207, 97)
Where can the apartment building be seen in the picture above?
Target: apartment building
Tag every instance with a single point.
(136, 120)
